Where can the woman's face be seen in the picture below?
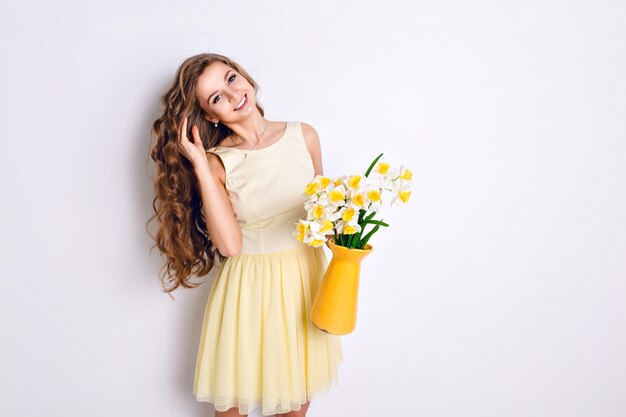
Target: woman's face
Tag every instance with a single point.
(220, 91)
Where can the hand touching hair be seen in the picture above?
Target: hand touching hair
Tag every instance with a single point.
(181, 234)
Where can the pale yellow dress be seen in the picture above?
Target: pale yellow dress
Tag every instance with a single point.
(258, 346)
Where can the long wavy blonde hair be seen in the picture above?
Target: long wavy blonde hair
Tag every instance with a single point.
(182, 236)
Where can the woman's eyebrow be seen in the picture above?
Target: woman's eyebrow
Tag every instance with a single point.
(225, 77)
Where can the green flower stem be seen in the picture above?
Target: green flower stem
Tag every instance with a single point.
(352, 240)
(358, 236)
(369, 235)
(363, 223)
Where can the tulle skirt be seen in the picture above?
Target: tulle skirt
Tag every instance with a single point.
(258, 346)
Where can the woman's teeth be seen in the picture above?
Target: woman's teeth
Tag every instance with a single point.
(241, 103)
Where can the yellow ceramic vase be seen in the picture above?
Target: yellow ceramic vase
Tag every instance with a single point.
(335, 306)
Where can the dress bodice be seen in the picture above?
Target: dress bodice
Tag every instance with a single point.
(266, 189)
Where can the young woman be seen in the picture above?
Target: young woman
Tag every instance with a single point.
(230, 185)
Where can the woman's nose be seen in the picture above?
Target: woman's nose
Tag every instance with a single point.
(231, 94)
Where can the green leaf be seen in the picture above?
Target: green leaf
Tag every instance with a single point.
(376, 222)
(372, 214)
(369, 235)
(372, 165)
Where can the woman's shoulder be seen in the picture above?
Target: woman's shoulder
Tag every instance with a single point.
(311, 138)
(217, 165)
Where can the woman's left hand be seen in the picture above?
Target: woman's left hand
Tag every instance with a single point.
(194, 151)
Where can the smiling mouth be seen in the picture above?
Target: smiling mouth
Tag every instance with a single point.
(242, 103)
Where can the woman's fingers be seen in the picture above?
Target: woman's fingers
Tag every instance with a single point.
(196, 135)
(183, 134)
(192, 149)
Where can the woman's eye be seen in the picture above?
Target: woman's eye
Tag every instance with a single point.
(230, 80)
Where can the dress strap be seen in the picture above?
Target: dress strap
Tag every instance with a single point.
(224, 156)
(300, 134)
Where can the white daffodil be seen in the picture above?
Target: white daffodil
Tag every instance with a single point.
(347, 228)
(336, 215)
(383, 173)
(301, 227)
(319, 211)
(357, 198)
(337, 195)
(313, 236)
(312, 188)
(353, 182)
(405, 174)
(401, 193)
(317, 186)
(324, 181)
(374, 197)
(312, 202)
(348, 214)
(322, 227)
(323, 198)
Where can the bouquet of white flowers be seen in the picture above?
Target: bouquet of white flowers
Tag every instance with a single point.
(342, 207)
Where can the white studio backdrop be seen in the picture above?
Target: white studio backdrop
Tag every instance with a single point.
(499, 290)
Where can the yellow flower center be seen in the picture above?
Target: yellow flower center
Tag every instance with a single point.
(407, 175)
(312, 188)
(373, 195)
(349, 230)
(348, 215)
(336, 195)
(302, 227)
(318, 211)
(316, 242)
(383, 167)
(324, 181)
(354, 181)
(404, 195)
(326, 226)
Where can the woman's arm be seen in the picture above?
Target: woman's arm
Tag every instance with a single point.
(219, 217)
(221, 223)
(312, 141)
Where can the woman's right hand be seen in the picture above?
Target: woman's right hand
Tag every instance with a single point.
(194, 151)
